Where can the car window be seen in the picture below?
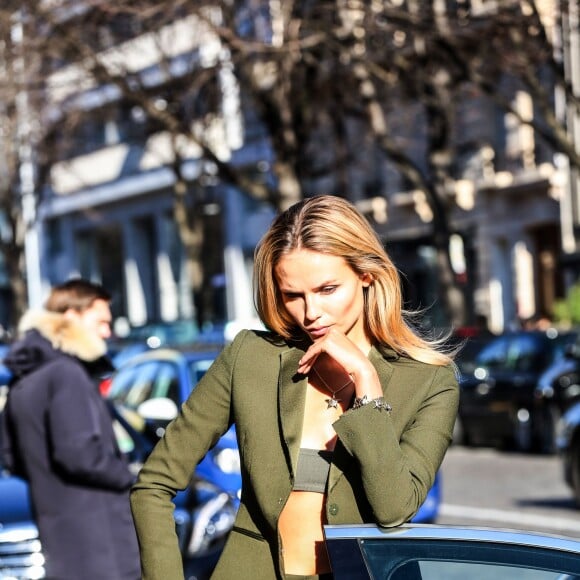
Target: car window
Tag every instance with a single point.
(138, 383)
(494, 354)
(122, 382)
(451, 559)
(166, 383)
(526, 353)
(198, 368)
(461, 570)
(124, 439)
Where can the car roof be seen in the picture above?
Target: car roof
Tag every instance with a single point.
(445, 532)
(197, 352)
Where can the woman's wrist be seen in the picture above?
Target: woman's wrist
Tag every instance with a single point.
(378, 403)
(366, 382)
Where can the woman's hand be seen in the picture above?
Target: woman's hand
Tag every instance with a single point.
(345, 353)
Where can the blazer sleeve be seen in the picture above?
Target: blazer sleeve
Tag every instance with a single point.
(398, 463)
(203, 418)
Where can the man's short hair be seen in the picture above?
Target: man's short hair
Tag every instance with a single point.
(77, 294)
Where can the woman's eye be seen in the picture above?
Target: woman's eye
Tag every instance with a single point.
(291, 296)
(328, 289)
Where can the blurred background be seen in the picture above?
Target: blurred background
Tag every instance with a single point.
(147, 145)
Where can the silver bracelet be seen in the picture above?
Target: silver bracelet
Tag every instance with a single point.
(378, 403)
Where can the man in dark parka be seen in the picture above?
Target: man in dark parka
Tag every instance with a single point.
(58, 434)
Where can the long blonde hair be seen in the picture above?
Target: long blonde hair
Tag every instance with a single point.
(331, 225)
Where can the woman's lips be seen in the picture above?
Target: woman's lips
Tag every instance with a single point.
(317, 332)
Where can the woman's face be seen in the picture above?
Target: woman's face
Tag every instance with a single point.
(321, 292)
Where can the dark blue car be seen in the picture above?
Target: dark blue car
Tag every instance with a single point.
(499, 401)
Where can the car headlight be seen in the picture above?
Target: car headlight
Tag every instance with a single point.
(228, 460)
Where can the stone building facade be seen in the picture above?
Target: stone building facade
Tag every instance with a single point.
(109, 216)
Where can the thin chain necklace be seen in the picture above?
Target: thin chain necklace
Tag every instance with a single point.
(332, 403)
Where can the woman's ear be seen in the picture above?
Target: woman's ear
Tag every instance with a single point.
(366, 279)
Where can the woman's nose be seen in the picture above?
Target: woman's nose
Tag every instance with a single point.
(312, 311)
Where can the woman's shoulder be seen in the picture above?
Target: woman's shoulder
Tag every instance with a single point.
(253, 349)
(409, 364)
(257, 338)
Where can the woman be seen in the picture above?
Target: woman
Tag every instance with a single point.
(343, 414)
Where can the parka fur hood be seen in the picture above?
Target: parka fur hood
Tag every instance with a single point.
(64, 334)
(60, 334)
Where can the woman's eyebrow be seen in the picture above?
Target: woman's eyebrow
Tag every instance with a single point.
(319, 286)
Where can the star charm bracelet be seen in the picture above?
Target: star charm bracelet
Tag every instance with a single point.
(378, 403)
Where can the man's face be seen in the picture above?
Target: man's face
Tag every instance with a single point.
(96, 319)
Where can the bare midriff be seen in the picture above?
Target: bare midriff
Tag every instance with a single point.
(300, 523)
(300, 527)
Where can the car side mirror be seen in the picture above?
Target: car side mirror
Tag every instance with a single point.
(159, 409)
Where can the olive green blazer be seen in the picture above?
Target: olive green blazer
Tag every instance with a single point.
(382, 467)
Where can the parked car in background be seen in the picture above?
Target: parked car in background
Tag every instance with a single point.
(469, 346)
(147, 392)
(498, 403)
(557, 390)
(129, 341)
(568, 446)
(419, 552)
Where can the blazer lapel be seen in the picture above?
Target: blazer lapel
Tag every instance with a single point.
(291, 400)
(383, 367)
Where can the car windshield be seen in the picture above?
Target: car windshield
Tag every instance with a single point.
(157, 378)
(138, 383)
(525, 352)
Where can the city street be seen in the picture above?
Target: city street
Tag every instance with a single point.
(489, 488)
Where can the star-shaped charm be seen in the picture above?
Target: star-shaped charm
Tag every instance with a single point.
(332, 403)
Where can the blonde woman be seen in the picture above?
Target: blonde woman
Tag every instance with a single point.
(343, 413)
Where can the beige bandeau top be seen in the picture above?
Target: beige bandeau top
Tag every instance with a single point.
(312, 470)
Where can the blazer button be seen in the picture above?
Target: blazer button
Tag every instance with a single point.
(332, 509)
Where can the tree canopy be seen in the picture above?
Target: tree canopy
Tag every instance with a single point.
(361, 99)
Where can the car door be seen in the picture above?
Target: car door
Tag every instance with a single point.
(512, 383)
(482, 407)
(448, 553)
